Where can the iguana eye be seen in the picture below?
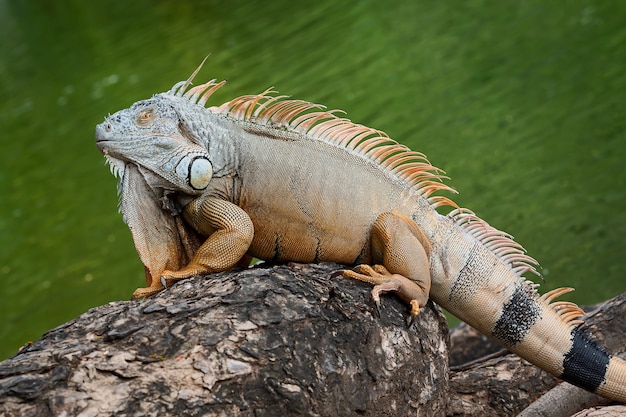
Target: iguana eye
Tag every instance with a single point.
(145, 117)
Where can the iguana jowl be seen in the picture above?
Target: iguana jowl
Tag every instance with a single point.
(283, 180)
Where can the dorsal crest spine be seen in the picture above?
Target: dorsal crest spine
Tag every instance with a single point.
(270, 110)
(315, 122)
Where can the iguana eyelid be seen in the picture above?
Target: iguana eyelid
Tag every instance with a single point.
(145, 117)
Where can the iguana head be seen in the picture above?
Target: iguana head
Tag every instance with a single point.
(152, 151)
(153, 134)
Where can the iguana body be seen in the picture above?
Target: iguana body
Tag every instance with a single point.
(282, 180)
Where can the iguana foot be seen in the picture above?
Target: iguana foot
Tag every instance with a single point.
(167, 279)
(170, 277)
(143, 293)
(384, 281)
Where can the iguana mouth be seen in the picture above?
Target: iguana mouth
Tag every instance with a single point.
(101, 136)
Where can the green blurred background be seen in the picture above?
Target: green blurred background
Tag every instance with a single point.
(523, 103)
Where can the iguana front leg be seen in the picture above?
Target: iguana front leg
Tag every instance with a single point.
(403, 250)
(230, 232)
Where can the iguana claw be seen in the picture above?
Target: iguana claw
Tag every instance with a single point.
(347, 273)
(415, 310)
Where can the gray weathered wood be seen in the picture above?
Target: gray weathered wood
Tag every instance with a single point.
(285, 340)
(267, 341)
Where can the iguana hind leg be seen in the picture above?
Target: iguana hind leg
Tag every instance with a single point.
(403, 250)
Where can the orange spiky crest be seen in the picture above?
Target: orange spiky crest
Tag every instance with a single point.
(409, 167)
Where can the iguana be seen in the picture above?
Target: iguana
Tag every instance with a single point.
(204, 189)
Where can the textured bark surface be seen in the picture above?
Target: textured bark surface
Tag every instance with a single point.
(285, 340)
(501, 386)
(610, 411)
(468, 345)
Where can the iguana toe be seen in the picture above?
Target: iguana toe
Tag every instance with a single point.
(143, 293)
(384, 281)
(170, 277)
(166, 280)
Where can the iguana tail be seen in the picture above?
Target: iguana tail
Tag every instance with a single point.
(565, 350)
(549, 335)
(480, 281)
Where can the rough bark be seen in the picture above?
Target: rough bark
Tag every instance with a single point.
(499, 386)
(610, 411)
(468, 346)
(487, 380)
(285, 340)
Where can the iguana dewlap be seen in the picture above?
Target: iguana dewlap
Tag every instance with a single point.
(283, 180)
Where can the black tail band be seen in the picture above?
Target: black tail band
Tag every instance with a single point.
(586, 363)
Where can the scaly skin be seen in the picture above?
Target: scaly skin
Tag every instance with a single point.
(279, 180)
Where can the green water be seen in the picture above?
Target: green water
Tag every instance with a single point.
(522, 103)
